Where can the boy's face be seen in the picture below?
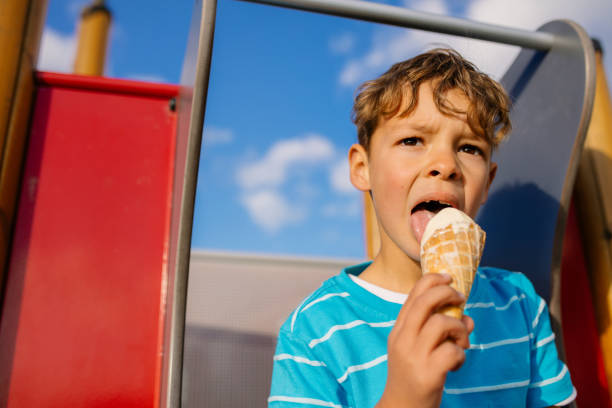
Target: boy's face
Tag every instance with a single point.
(418, 164)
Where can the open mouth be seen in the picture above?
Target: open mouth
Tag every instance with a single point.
(433, 206)
(422, 213)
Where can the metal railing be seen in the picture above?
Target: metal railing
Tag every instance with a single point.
(402, 17)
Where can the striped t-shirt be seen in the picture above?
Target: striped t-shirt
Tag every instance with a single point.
(332, 350)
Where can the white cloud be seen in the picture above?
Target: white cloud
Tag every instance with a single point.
(530, 14)
(342, 44)
(427, 6)
(349, 203)
(339, 177)
(215, 135)
(593, 15)
(390, 46)
(271, 170)
(493, 59)
(57, 51)
(271, 211)
(305, 190)
(263, 181)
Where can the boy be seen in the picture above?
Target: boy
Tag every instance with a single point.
(426, 130)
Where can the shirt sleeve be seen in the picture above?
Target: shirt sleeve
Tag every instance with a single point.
(551, 383)
(300, 379)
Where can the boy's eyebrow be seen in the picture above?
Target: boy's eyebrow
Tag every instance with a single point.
(474, 135)
(425, 127)
(429, 128)
(420, 127)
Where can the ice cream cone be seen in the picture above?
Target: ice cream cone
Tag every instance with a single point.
(452, 243)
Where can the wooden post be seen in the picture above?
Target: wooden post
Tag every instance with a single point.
(21, 26)
(371, 227)
(93, 39)
(593, 193)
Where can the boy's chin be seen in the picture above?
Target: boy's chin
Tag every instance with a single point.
(413, 255)
(405, 247)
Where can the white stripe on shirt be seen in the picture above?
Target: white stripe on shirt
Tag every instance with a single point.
(491, 304)
(486, 387)
(304, 401)
(549, 381)
(545, 341)
(482, 275)
(347, 326)
(540, 310)
(322, 298)
(499, 343)
(295, 313)
(384, 294)
(568, 400)
(360, 367)
(299, 359)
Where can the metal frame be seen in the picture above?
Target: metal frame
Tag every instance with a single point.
(194, 90)
(402, 17)
(354, 9)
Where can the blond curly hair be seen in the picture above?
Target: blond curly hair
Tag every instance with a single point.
(383, 97)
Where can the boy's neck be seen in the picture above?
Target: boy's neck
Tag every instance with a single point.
(393, 270)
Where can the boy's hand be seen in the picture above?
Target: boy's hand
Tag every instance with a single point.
(423, 345)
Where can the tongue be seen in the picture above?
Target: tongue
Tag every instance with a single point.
(419, 220)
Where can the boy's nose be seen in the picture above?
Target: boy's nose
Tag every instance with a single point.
(451, 176)
(444, 165)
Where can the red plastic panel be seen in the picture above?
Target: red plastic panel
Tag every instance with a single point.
(83, 312)
(580, 333)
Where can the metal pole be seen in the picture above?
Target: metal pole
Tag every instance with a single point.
(401, 17)
(185, 179)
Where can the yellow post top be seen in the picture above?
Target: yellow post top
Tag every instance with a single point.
(93, 39)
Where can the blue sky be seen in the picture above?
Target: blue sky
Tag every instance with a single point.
(273, 175)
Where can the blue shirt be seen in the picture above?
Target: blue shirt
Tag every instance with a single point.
(332, 350)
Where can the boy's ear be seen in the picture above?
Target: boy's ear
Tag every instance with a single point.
(492, 173)
(359, 167)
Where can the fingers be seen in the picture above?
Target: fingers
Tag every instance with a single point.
(448, 356)
(430, 280)
(440, 328)
(424, 345)
(428, 295)
(469, 323)
(426, 282)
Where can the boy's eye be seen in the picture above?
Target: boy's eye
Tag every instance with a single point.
(411, 141)
(471, 149)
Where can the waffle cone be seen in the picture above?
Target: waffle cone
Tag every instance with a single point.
(455, 250)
